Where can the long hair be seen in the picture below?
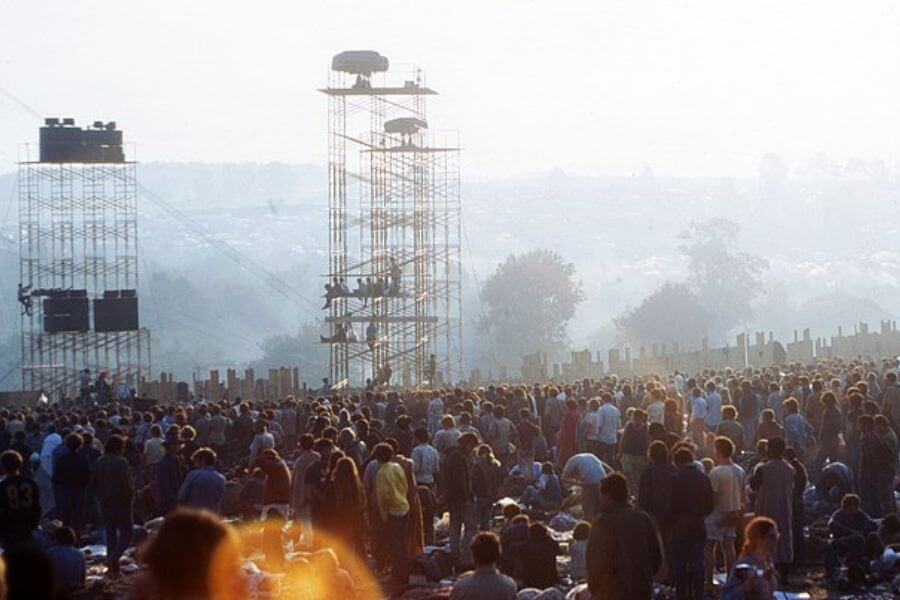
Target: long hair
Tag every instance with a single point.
(348, 489)
(755, 532)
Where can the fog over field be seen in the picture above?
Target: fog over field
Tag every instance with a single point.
(620, 136)
(829, 232)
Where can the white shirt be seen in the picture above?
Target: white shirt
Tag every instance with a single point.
(728, 487)
(610, 421)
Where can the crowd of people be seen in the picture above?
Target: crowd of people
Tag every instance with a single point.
(626, 487)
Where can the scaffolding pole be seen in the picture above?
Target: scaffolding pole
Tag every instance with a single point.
(78, 230)
(394, 222)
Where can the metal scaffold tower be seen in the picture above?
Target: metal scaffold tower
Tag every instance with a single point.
(394, 276)
(78, 257)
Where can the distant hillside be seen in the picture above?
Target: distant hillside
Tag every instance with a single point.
(824, 230)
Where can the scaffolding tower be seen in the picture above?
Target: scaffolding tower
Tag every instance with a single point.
(78, 236)
(393, 292)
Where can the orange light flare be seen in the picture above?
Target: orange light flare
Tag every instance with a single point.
(330, 570)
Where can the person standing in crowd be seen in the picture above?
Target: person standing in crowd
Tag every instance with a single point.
(485, 582)
(218, 431)
(114, 488)
(623, 549)
(713, 406)
(168, 473)
(301, 504)
(203, 487)
(888, 471)
(633, 449)
(459, 496)
(566, 445)
(447, 437)
(728, 481)
(890, 399)
(275, 506)
(393, 509)
(875, 456)
(610, 420)
(487, 479)
(153, 452)
(20, 503)
(768, 427)
(435, 412)
(690, 501)
(798, 432)
(730, 428)
(831, 427)
(553, 414)
(71, 479)
(749, 410)
(262, 440)
(500, 435)
(426, 461)
(287, 417)
(348, 499)
(697, 422)
(813, 405)
(655, 488)
(773, 482)
(526, 433)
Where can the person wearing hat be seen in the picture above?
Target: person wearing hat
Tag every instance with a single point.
(168, 472)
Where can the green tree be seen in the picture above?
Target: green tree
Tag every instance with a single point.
(302, 350)
(727, 280)
(670, 314)
(529, 301)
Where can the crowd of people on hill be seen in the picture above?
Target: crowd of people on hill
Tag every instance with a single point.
(696, 486)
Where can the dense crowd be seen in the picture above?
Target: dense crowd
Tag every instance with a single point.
(682, 485)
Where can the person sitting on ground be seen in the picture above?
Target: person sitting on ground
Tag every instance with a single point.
(485, 582)
(753, 575)
(68, 561)
(578, 551)
(851, 528)
(546, 493)
(514, 538)
(539, 558)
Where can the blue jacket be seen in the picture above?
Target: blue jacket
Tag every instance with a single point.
(203, 488)
(69, 565)
(842, 523)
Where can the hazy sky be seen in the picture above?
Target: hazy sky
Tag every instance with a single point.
(696, 87)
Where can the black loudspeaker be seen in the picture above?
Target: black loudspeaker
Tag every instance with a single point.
(66, 313)
(116, 314)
